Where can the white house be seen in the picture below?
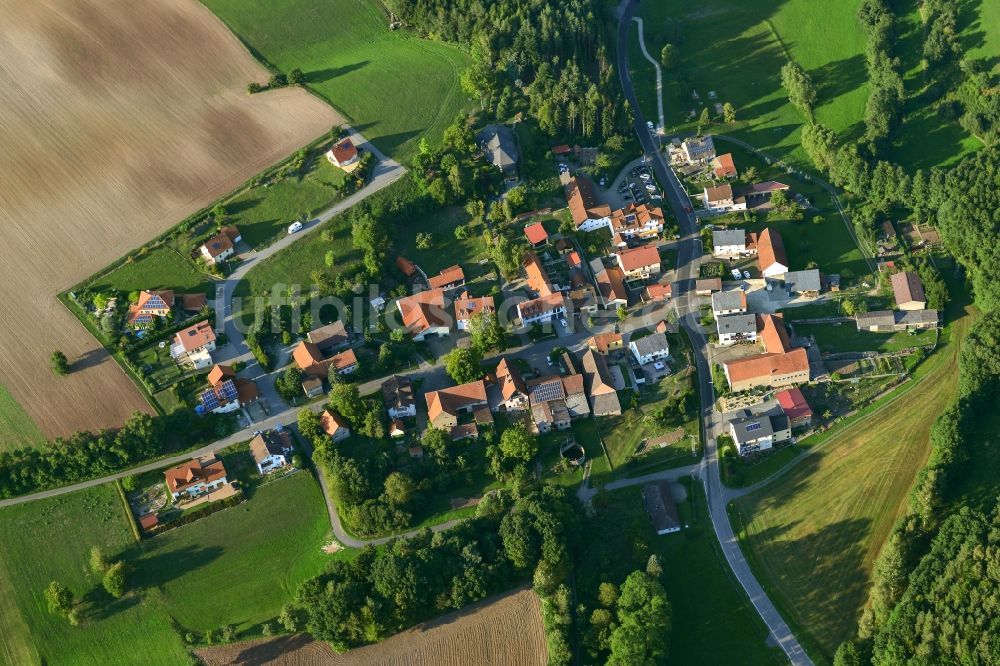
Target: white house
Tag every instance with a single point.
(771, 257)
(271, 450)
(759, 433)
(220, 247)
(334, 425)
(194, 345)
(729, 242)
(651, 348)
(733, 301)
(195, 477)
(541, 309)
(344, 155)
(397, 394)
(736, 328)
(721, 198)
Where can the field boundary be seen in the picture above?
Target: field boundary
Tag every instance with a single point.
(129, 516)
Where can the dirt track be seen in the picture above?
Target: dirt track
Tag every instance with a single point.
(118, 118)
(504, 631)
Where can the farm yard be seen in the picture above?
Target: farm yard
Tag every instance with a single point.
(392, 86)
(92, 176)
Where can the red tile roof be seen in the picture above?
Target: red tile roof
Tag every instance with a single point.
(907, 288)
(770, 250)
(330, 422)
(200, 470)
(659, 291)
(538, 280)
(583, 203)
(405, 266)
(449, 276)
(723, 166)
(196, 336)
(638, 257)
(466, 307)
(423, 310)
(344, 151)
(219, 373)
(536, 233)
(793, 403)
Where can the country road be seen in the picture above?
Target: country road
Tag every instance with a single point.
(688, 261)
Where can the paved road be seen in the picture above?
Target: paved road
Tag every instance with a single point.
(659, 74)
(688, 259)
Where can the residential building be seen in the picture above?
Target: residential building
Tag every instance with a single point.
(151, 304)
(226, 393)
(575, 391)
(573, 259)
(312, 386)
(220, 247)
(729, 242)
(599, 386)
(541, 309)
(344, 154)
(658, 291)
(463, 431)
(779, 366)
(771, 257)
(729, 302)
(650, 348)
(604, 343)
(271, 450)
(637, 220)
(908, 290)
(720, 198)
(759, 433)
(610, 285)
(563, 246)
(448, 279)
(446, 405)
(334, 425)
(508, 392)
(661, 508)
(795, 407)
(698, 149)
(588, 214)
(537, 278)
(536, 234)
(705, 286)
(466, 308)
(737, 328)
(424, 315)
(808, 283)
(501, 150)
(330, 337)
(723, 167)
(550, 415)
(194, 345)
(312, 361)
(193, 302)
(195, 477)
(397, 394)
(883, 321)
(640, 262)
(584, 299)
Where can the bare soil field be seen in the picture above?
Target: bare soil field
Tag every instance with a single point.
(502, 631)
(118, 119)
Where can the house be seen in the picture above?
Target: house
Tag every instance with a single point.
(771, 257)
(610, 285)
(148, 521)
(639, 262)
(806, 283)
(466, 308)
(720, 198)
(759, 433)
(224, 394)
(536, 234)
(575, 391)
(334, 425)
(271, 450)
(723, 167)
(658, 291)
(151, 304)
(397, 429)
(541, 309)
(450, 278)
(899, 320)
(795, 407)
(464, 431)
(660, 507)
(312, 386)
(587, 213)
(406, 267)
(604, 343)
(584, 299)
(312, 361)
(195, 477)
(729, 242)
(446, 405)
(908, 290)
(220, 247)
(344, 154)
(423, 314)
(619, 242)
(501, 149)
(600, 389)
(537, 278)
(779, 366)
(194, 345)
(637, 220)
(193, 302)
(573, 260)
(736, 328)
(705, 286)
(330, 337)
(397, 394)
(555, 401)
(758, 195)
(733, 301)
(551, 415)
(507, 391)
(698, 149)
(561, 149)
(650, 348)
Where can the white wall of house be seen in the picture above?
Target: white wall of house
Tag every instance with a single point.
(727, 339)
(595, 224)
(402, 413)
(542, 316)
(729, 250)
(227, 408)
(271, 463)
(774, 270)
(658, 355)
(432, 331)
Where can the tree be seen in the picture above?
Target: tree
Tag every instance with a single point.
(669, 56)
(309, 426)
(799, 86)
(463, 365)
(114, 579)
(607, 594)
(704, 120)
(59, 363)
(486, 332)
(295, 77)
(728, 113)
(399, 489)
(516, 442)
(289, 383)
(643, 622)
(622, 313)
(59, 598)
(346, 401)
(424, 240)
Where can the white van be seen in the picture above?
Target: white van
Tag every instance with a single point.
(294, 226)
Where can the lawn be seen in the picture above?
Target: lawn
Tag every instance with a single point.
(846, 337)
(813, 535)
(585, 432)
(391, 85)
(162, 268)
(713, 621)
(15, 424)
(445, 250)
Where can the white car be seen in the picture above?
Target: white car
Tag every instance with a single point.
(644, 176)
(294, 226)
(736, 274)
(651, 188)
(562, 320)
(649, 124)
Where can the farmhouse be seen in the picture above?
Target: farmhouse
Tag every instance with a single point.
(729, 242)
(705, 286)
(779, 366)
(806, 283)
(637, 220)
(220, 247)
(312, 361)
(151, 304)
(658, 291)
(597, 379)
(195, 477)
(650, 348)
(536, 234)
(885, 321)
(723, 167)
(344, 154)
(795, 407)
(733, 301)
(909, 291)
(334, 425)
(466, 308)
(587, 213)
(271, 450)
(759, 433)
(424, 315)
(194, 345)
(450, 278)
(737, 328)
(661, 508)
(507, 392)
(537, 278)
(397, 394)
(639, 262)
(603, 343)
(771, 257)
(698, 149)
(610, 285)
(445, 406)
(501, 149)
(541, 309)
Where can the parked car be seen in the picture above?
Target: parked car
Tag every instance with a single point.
(562, 320)
(644, 175)
(736, 273)
(294, 226)
(746, 275)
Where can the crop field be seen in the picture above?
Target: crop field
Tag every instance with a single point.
(501, 631)
(128, 117)
(813, 535)
(390, 85)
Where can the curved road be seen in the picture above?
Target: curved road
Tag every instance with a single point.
(688, 259)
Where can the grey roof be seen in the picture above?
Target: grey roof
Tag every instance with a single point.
(737, 323)
(779, 422)
(802, 281)
(729, 237)
(751, 429)
(698, 147)
(911, 317)
(880, 318)
(660, 506)
(503, 149)
(728, 300)
(651, 344)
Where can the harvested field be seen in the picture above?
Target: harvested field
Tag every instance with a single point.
(120, 118)
(503, 631)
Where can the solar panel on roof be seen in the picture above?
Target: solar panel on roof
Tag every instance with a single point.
(228, 390)
(753, 426)
(547, 391)
(209, 399)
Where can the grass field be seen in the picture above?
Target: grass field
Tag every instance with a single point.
(17, 427)
(390, 85)
(162, 268)
(847, 338)
(813, 535)
(713, 621)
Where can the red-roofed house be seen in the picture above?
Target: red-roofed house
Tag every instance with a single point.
(194, 345)
(543, 308)
(150, 304)
(771, 257)
(795, 407)
(466, 307)
(405, 266)
(195, 477)
(344, 155)
(640, 262)
(450, 278)
(311, 360)
(573, 259)
(423, 314)
(334, 425)
(659, 291)
(536, 234)
(723, 167)
(588, 214)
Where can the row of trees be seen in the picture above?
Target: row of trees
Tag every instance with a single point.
(885, 86)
